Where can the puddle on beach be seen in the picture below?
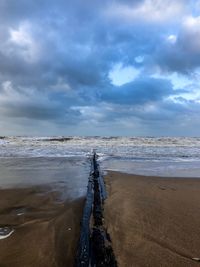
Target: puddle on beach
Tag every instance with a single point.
(62, 174)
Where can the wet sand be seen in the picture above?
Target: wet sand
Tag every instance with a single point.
(46, 228)
(153, 221)
(42, 200)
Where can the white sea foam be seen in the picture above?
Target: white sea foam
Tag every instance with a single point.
(160, 150)
(145, 148)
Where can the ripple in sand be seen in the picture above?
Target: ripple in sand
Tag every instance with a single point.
(5, 232)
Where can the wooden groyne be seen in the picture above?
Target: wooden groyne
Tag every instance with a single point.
(94, 248)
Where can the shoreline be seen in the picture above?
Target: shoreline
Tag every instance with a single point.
(164, 177)
(153, 221)
(179, 169)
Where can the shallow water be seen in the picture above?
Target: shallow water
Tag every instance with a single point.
(152, 168)
(63, 174)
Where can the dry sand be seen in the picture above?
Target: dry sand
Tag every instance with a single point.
(153, 221)
(46, 229)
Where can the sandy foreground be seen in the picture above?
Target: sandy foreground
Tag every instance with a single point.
(42, 200)
(153, 221)
(46, 229)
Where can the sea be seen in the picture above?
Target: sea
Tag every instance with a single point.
(160, 156)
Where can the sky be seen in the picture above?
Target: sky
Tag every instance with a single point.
(117, 67)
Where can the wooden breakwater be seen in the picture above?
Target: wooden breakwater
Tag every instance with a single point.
(94, 248)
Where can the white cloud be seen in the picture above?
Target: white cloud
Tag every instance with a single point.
(139, 59)
(172, 38)
(190, 34)
(22, 40)
(8, 92)
(192, 23)
(61, 86)
(14, 99)
(148, 10)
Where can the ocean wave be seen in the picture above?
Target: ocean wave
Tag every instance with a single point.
(128, 148)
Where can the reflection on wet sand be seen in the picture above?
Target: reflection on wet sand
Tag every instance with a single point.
(41, 202)
(69, 174)
(44, 233)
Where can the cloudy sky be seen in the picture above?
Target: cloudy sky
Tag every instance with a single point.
(117, 67)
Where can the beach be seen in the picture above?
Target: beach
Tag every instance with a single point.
(153, 221)
(46, 231)
(41, 204)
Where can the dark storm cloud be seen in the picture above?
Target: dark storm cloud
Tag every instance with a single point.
(56, 56)
(140, 91)
(183, 54)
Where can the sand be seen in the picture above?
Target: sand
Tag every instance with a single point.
(46, 228)
(153, 221)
